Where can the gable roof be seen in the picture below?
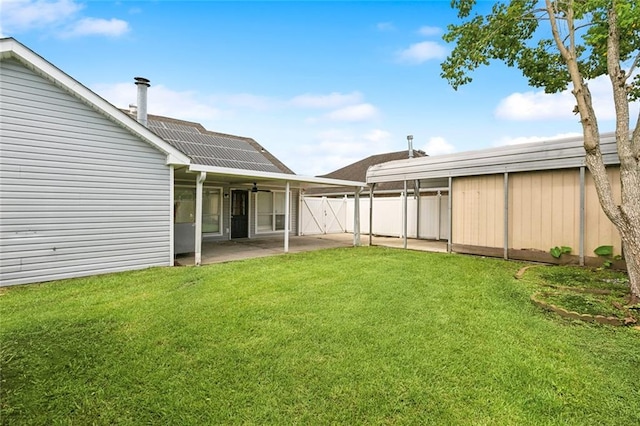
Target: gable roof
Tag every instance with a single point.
(358, 171)
(10, 48)
(208, 148)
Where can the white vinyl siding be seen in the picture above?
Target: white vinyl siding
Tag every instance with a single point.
(80, 195)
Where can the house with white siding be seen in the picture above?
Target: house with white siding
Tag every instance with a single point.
(86, 189)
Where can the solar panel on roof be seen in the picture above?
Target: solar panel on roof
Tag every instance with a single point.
(212, 149)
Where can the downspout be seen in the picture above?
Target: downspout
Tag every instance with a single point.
(199, 184)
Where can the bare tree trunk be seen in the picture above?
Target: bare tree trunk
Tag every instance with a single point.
(632, 256)
(626, 216)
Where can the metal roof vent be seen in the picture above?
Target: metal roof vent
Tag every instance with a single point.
(143, 85)
(410, 142)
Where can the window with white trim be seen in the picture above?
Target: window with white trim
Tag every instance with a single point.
(270, 211)
(185, 208)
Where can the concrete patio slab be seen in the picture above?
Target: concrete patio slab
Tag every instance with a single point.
(247, 248)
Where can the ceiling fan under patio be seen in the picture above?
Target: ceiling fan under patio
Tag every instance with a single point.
(255, 188)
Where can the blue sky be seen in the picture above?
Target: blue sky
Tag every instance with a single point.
(319, 84)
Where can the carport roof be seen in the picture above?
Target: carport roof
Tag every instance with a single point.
(546, 155)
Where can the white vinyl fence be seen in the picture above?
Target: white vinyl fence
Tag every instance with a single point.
(335, 215)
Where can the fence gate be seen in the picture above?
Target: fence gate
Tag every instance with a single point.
(323, 215)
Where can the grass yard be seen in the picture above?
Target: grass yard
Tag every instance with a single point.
(366, 335)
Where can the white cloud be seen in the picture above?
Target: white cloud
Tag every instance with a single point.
(249, 101)
(377, 136)
(438, 145)
(332, 100)
(359, 112)
(335, 148)
(537, 105)
(21, 15)
(421, 52)
(429, 31)
(96, 26)
(385, 26)
(59, 17)
(507, 140)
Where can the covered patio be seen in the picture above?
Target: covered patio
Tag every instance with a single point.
(246, 182)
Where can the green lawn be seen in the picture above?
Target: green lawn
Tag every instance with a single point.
(347, 336)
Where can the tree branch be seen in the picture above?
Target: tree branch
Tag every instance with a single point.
(634, 65)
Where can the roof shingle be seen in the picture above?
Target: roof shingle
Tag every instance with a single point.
(358, 172)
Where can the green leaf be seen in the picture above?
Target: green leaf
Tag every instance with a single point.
(565, 249)
(604, 251)
(556, 252)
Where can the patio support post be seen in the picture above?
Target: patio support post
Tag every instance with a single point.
(371, 188)
(438, 214)
(172, 212)
(582, 216)
(287, 202)
(506, 216)
(416, 188)
(356, 217)
(450, 213)
(198, 249)
(404, 216)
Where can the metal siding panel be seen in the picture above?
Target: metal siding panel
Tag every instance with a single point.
(80, 195)
(544, 210)
(599, 230)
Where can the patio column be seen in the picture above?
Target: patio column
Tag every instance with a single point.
(416, 196)
(172, 209)
(582, 215)
(371, 188)
(356, 217)
(199, 184)
(404, 216)
(506, 216)
(438, 214)
(450, 215)
(287, 203)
